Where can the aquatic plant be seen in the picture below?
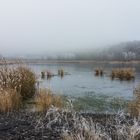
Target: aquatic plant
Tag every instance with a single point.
(49, 75)
(61, 72)
(99, 72)
(75, 126)
(123, 73)
(42, 74)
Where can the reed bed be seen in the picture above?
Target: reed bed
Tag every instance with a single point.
(16, 84)
(45, 99)
(123, 73)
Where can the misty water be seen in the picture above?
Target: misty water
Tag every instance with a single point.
(88, 92)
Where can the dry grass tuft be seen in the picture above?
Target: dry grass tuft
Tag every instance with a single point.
(49, 75)
(9, 100)
(43, 75)
(134, 106)
(16, 83)
(99, 72)
(45, 99)
(27, 82)
(123, 73)
(20, 78)
(61, 72)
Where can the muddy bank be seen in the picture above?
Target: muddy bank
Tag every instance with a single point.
(24, 125)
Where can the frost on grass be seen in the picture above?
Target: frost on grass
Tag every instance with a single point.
(74, 126)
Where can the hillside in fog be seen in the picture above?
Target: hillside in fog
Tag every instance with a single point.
(120, 52)
(123, 51)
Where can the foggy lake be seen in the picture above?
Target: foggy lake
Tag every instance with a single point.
(87, 91)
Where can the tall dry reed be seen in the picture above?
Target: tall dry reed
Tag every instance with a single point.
(45, 99)
(123, 73)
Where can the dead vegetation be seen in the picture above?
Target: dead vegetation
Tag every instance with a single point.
(10, 100)
(61, 73)
(99, 72)
(75, 126)
(16, 84)
(123, 73)
(134, 106)
(45, 99)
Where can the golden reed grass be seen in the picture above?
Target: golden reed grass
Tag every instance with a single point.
(61, 72)
(123, 73)
(99, 72)
(45, 99)
(16, 83)
(9, 100)
(20, 78)
(134, 106)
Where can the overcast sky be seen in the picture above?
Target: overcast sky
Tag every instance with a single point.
(36, 26)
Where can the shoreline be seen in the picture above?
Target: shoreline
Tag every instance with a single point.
(39, 61)
(26, 125)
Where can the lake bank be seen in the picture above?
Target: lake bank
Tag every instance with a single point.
(45, 61)
(52, 124)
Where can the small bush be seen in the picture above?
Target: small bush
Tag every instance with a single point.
(44, 99)
(123, 73)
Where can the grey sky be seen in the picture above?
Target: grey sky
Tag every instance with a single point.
(36, 26)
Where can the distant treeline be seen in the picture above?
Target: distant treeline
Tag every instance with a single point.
(121, 52)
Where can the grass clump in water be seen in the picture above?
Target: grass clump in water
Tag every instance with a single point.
(61, 73)
(43, 75)
(99, 72)
(123, 73)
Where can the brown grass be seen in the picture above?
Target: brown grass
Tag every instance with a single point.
(45, 99)
(123, 73)
(9, 100)
(61, 72)
(16, 83)
(42, 74)
(99, 72)
(49, 75)
(20, 78)
(134, 106)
